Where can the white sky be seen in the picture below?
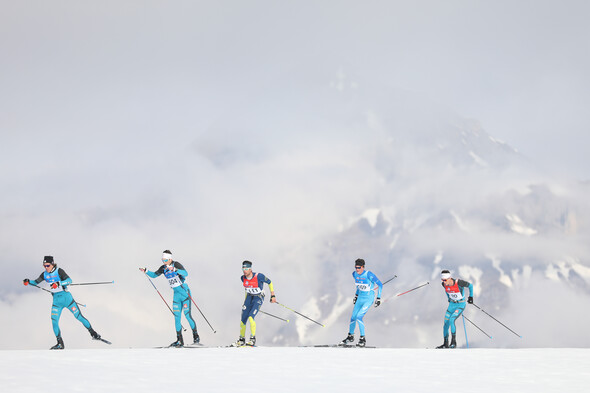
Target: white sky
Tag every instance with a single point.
(71, 69)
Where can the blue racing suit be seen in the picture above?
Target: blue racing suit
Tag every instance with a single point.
(365, 291)
(456, 298)
(176, 275)
(61, 298)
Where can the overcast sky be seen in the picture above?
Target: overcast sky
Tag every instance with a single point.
(108, 108)
(73, 69)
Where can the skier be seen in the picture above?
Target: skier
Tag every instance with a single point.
(58, 286)
(253, 285)
(367, 284)
(455, 290)
(176, 275)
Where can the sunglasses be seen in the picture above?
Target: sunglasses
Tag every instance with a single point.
(246, 268)
(46, 265)
(358, 267)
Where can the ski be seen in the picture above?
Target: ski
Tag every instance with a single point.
(103, 340)
(341, 346)
(183, 346)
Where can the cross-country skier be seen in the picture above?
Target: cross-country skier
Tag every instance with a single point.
(367, 284)
(455, 290)
(176, 275)
(58, 282)
(253, 285)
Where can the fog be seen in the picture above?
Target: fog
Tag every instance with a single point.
(265, 131)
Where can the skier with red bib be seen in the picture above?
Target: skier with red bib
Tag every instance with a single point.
(455, 290)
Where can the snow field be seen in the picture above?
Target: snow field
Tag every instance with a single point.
(295, 369)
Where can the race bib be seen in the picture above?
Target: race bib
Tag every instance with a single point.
(456, 296)
(254, 291)
(363, 287)
(174, 281)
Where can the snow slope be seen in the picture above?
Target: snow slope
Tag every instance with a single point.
(295, 370)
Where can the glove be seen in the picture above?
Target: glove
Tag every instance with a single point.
(143, 269)
(378, 302)
(354, 300)
(273, 297)
(55, 285)
(470, 300)
(26, 281)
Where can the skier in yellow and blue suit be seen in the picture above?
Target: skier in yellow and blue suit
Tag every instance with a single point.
(176, 275)
(58, 281)
(253, 285)
(367, 284)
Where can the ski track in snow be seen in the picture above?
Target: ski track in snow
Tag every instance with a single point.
(295, 370)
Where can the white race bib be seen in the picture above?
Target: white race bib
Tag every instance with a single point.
(254, 291)
(363, 287)
(456, 296)
(174, 282)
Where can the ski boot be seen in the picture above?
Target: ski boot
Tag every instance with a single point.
(179, 341)
(251, 342)
(95, 336)
(196, 338)
(453, 342)
(362, 342)
(240, 343)
(445, 344)
(59, 345)
(348, 339)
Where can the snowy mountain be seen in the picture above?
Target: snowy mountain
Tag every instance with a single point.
(432, 191)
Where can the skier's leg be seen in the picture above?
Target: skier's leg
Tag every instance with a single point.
(365, 306)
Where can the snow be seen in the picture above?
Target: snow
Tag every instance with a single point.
(295, 369)
(518, 226)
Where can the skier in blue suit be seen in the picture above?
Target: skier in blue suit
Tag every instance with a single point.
(176, 275)
(367, 284)
(58, 281)
(455, 290)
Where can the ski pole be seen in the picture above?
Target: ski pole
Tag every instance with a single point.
(496, 320)
(164, 300)
(43, 289)
(46, 290)
(94, 283)
(203, 315)
(468, 320)
(465, 329)
(403, 293)
(274, 316)
(300, 314)
(389, 280)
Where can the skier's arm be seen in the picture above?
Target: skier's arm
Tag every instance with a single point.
(466, 284)
(270, 287)
(156, 273)
(376, 281)
(356, 293)
(180, 269)
(65, 280)
(39, 279)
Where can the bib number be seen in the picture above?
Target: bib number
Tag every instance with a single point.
(174, 282)
(364, 287)
(456, 296)
(254, 291)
